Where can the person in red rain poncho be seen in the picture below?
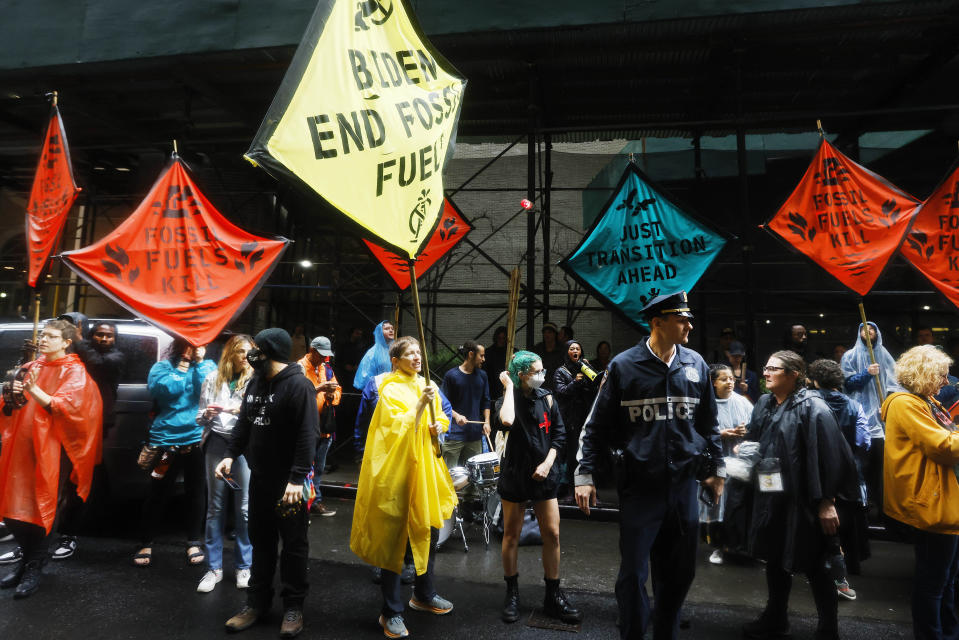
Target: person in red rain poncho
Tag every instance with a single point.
(63, 412)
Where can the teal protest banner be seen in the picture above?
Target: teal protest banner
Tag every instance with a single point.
(642, 245)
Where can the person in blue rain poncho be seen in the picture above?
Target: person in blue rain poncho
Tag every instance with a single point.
(376, 360)
(859, 374)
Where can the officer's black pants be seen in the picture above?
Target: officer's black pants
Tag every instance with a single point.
(267, 528)
(660, 529)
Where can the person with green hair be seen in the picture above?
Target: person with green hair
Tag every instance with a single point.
(521, 362)
(528, 473)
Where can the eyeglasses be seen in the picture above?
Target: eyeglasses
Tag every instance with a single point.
(767, 369)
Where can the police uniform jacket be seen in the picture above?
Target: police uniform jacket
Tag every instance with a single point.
(663, 419)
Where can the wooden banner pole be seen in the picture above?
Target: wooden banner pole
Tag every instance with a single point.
(872, 356)
(422, 335)
(36, 314)
(396, 313)
(512, 309)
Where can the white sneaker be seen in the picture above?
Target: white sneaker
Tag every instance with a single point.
(209, 580)
(242, 578)
(66, 547)
(716, 557)
(11, 557)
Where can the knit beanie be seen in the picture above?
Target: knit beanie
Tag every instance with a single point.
(275, 344)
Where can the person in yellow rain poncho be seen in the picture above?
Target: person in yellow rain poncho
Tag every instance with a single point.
(405, 490)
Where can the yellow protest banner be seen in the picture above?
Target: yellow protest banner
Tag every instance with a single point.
(366, 117)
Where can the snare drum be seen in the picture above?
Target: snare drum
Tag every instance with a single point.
(483, 469)
(460, 476)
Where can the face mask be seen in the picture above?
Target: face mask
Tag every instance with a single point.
(536, 381)
(253, 357)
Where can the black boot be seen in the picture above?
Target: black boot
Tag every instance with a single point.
(555, 605)
(769, 626)
(30, 581)
(511, 603)
(12, 579)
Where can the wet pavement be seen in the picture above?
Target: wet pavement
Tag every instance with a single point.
(99, 593)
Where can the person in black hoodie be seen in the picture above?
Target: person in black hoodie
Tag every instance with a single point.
(276, 430)
(105, 364)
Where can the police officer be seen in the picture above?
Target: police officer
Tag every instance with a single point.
(656, 411)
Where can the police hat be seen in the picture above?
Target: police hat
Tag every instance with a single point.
(668, 304)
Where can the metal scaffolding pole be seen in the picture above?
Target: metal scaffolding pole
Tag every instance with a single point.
(746, 229)
(546, 180)
(530, 216)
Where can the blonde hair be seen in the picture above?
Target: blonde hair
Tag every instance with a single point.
(919, 370)
(225, 371)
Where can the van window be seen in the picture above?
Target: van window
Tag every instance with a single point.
(11, 340)
(141, 352)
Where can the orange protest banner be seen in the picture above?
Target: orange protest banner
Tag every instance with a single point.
(932, 244)
(452, 228)
(845, 218)
(51, 197)
(178, 262)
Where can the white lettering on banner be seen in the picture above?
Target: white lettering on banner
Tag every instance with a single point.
(660, 409)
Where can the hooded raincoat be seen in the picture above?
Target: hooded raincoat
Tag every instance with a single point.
(404, 488)
(816, 463)
(33, 437)
(375, 361)
(859, 384)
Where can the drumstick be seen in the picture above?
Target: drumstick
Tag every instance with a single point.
(491, 447)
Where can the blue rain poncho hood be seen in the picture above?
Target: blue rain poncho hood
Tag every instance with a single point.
(856, 360)
(376, 360)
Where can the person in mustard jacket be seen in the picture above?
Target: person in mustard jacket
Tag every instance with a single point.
(921, 489)
(405, 491)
